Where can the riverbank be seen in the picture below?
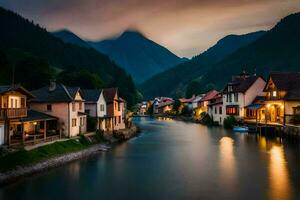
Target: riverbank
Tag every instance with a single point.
(22, 163)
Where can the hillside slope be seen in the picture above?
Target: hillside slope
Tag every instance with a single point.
(173, 82)
(139, 56)
(22, 34)
(69, 37)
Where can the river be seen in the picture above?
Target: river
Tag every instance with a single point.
(174, 160)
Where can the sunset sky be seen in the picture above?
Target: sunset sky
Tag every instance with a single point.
(186, 27)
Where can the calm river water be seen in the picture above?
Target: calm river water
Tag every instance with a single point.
(174, 160)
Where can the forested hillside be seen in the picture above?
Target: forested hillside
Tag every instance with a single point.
(41, 46)
(184, 78)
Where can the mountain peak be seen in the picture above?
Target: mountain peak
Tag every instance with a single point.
(132, 33)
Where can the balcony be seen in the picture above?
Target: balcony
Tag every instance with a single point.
(11, 113)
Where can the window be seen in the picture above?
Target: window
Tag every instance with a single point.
(236, 97)
(220, 110)
(274, 93)
(115, 106)
(80, 105)
(16, 103)
(215, 110)
(87, 111)
(74, 122)
(23, 102)
(229, 88)
(232, 110)
(73, 107)
(229, 98)
(11, 103)
(119, 107)
(297, 110)
(119, 119)
(101, 107)
(49, 107)
(115, 118)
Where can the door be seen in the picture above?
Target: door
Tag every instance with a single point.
(1, 134)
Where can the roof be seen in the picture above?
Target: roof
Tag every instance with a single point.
(190, 100)
(91, 95)
(19, 88)
(60, 93)
(198, 98)
(254, 106)
(37, 116)
(210, 95)
(166, 103)
(109, 94)
(287, 81)
(242, 84)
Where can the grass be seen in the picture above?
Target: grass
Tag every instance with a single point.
(23, 157)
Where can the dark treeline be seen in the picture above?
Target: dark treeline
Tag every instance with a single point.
(42, 56)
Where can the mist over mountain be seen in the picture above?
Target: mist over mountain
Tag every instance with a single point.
(139, 56)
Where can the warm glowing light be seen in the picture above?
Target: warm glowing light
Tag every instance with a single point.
(279, 180)
(268, 105)
(227, 162)
(34, 123)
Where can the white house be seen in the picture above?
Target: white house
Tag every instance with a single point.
(240, 93)
(95, 106)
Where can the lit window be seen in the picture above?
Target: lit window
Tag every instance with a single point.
(274, 93)
(74, 122)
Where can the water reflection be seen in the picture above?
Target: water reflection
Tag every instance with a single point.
(279, 178)
(227, 162)
(175, 160)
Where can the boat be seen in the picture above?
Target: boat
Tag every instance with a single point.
(240, 129)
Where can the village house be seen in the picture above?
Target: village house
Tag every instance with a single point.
(240, 93)
(281, 102)
(158, 103)
(65, 103)
(215, 108)
(165, 106)
(143, 107)
(196, 101)
(115, 110)
(95, 107)
(203, 103)
(188, 102)
(20, 126)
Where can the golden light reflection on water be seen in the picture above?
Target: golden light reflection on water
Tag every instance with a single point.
(227, 161)
(279, 178)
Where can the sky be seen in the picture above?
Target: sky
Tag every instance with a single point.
(186, 27)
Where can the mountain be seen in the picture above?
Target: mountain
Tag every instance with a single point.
(276, 50)
(173, 82)
(141, 57)
(72, 60)
(69, 37)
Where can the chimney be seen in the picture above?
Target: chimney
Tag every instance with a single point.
(52, 85)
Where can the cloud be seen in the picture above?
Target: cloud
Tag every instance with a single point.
(187, 27)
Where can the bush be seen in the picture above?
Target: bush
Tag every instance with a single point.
(230, 122)
(207, 120)
(91, 124)
(186, 111)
